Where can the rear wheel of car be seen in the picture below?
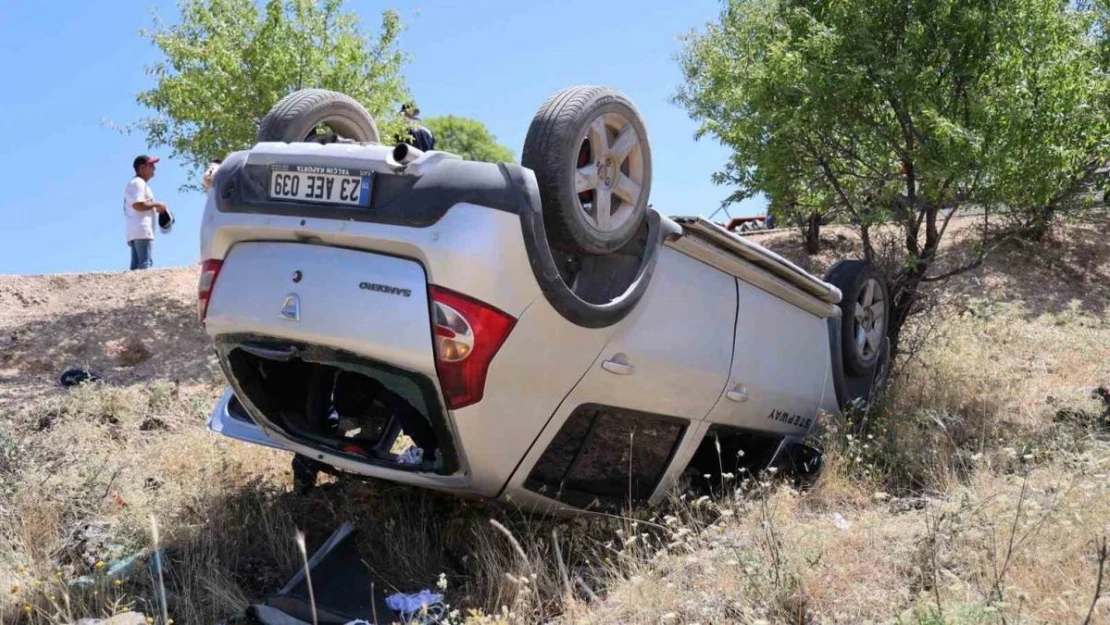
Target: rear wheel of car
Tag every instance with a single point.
(588, 147)
(318, 115)
(865, 307)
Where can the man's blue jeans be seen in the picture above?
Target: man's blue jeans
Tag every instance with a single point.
(141, 253)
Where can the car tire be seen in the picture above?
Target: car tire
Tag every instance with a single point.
(562, 149)
(865, 314)
(295, 118)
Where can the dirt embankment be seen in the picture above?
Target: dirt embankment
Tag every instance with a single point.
(127, 327)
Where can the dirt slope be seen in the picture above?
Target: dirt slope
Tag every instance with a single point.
(128, 327)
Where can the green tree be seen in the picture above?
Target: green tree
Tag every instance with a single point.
(469, 138)
(903, 111)
(227, 62)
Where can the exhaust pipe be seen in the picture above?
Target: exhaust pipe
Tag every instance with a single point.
(404, 153)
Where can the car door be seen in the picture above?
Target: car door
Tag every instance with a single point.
(672, 354)
(638, 412)
(780, 364)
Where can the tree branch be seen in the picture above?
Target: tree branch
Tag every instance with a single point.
(830, 176)
(968, 267)
(947, 218)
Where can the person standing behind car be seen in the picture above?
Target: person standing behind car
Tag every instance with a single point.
(420, 137)
(139, 207)
(210, 172)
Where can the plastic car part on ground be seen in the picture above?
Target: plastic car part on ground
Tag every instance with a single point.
(74, 376)
(125, 568)
(344, 592)
(126, 618)
(423, 607)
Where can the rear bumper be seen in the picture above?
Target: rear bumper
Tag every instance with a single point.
(227, 421)
(234, 424)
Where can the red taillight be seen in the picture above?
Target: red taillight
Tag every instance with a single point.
(209, 270)
(467, 335)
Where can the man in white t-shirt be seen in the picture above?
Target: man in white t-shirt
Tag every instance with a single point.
(138, 211)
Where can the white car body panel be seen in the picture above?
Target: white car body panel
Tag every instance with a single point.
(333, 310)
(526, 384)
(775, 342)
(679, 364)
(471, 245)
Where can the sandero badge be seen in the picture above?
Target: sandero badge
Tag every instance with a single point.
(385, 288)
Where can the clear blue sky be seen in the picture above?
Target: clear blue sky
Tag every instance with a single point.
(68, 65)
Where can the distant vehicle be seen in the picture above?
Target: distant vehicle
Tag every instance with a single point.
(530, 332)
(750, 224)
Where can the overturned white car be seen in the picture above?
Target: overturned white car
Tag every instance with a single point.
(530, 331)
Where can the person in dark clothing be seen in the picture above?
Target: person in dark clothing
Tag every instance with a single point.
(419, 136)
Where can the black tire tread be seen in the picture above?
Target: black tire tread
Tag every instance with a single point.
(557, 118)
(290, 108)
(847, 275)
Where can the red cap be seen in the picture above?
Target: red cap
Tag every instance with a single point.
(144, 160)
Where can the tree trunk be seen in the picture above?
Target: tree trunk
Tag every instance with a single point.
(1038, 227)
(904, 296)
(812, 233)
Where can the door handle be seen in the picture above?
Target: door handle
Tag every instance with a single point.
(617, 367)
(738, 394)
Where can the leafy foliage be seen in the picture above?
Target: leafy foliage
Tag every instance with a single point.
(905, 110)
(469, 138)
(229, 61)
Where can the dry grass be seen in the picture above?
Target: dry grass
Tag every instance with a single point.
(973, 495)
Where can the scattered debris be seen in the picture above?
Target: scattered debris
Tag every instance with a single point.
(840, 522)
(126, 618)
(74, 376)
(1103, 393)
(425, 604)
(123, 569)
(412, 456)
(342, 588)
(89, 543)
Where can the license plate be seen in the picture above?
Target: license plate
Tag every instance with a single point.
(321, 185)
